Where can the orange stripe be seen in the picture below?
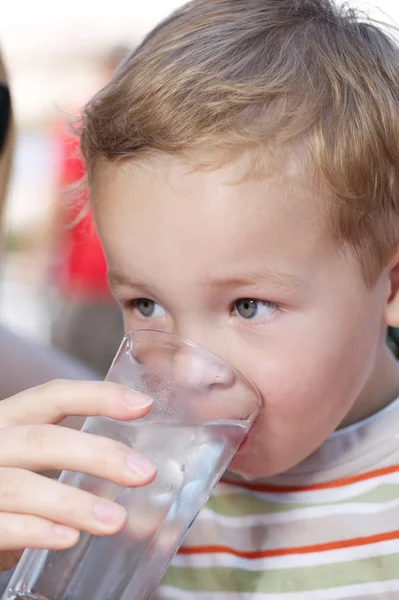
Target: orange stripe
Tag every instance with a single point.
(254, 554)
(260, 487)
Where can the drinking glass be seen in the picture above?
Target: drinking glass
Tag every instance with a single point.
(202, 410)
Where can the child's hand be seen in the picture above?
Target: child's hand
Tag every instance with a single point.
(37, 512)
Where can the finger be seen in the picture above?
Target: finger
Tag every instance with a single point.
(53, 401)
(48, 447)
(25, 531)
(27, 493)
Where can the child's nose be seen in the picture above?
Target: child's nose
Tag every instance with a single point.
(200, 371)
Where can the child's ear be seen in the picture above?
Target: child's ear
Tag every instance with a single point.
(392, 306)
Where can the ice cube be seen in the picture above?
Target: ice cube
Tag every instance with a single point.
(203, 458)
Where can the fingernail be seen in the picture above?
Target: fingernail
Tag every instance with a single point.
(137, 400)
(109, 513)
(140, 465)
(66, 533)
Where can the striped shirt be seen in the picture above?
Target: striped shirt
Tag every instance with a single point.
(326, 530)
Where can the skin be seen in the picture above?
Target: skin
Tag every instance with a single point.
(195, 242)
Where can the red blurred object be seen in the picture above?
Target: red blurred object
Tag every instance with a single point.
(81, 267)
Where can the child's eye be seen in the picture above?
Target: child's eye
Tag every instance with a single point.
(148, 308)
(254, 310)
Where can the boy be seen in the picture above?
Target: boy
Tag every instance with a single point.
(243, 166)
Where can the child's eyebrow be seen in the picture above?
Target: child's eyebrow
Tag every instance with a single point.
(116, 279)
(264, 276)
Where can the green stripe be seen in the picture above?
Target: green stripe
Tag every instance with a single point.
(224, 579)
(242, 504)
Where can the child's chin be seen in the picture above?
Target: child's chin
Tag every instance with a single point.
(241, 466)
(248, 465)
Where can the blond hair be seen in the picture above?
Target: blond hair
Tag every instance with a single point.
(6, 155)
(226, 75)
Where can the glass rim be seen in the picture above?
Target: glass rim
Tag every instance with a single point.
(187, 342)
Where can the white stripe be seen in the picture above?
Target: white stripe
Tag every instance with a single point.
(273, 563)
(315, 496)
(298, 514)
(340, 593)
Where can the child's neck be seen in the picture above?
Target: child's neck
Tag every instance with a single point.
(381, 389)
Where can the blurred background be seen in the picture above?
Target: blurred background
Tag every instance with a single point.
(58, 56)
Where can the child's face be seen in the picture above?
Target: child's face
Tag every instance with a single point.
(244, 269)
